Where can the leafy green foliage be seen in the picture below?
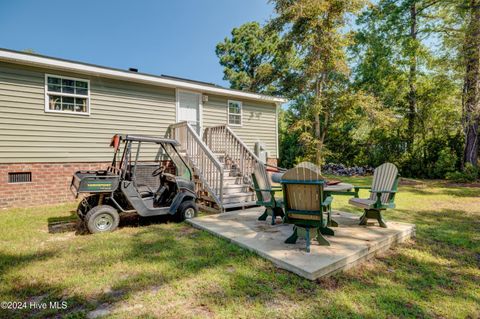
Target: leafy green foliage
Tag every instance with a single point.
(446, 163)
(319, 82)
(387, 88)
(469, 174)
(251, 58)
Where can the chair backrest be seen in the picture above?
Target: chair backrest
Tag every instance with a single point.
(262, 182)
(306, 196)
(384, 178)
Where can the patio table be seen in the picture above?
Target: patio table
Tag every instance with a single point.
(340, 189)
(337, 189)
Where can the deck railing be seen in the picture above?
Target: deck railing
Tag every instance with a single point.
(208, 167)
(221, 139)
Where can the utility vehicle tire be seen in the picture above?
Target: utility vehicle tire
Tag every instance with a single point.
(82, 210)
(187, 210)
(101, 219)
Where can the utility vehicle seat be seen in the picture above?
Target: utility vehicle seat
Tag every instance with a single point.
(145, 191)
(146, 184)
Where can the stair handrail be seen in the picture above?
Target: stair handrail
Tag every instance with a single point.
(210, 170)
(280, 169)
(222, 139)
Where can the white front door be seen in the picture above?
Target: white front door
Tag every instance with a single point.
(189, 109)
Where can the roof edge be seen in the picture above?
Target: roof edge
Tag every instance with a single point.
(80, 67)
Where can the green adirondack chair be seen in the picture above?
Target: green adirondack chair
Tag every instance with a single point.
(266, 194)
(382, 194)
(305, 204)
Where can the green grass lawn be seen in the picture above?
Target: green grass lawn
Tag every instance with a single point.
(173, 270)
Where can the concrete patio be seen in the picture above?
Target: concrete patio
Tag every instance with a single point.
(351, 244)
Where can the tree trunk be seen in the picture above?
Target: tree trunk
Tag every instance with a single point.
(471, 85)
(318, 153)
(318, 156)
(412, 94)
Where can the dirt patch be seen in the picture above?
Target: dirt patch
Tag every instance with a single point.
(329, 283)
(114, 294)
(102, 311)
(474, 185)
(62, 237)
(201, 311)
(188, 231)
(410, 182)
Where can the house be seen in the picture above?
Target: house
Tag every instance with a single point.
(58, 116)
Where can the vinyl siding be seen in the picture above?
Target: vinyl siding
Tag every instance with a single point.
(29, 134)
(258, 121)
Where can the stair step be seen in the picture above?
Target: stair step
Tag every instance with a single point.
(236, 188)
(239, 194)
(240, 205)
(238, 197)
(232, 180)
(230, 172)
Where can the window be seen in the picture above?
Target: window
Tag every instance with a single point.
(23, 177)
(67, 95)
(234, 113)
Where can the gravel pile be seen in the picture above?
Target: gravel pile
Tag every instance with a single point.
(341, 170)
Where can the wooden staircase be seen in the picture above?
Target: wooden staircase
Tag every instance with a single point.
(221, 163)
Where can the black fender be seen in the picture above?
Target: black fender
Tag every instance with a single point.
(183, 195)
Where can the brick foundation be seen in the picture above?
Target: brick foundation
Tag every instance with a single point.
(50, 183)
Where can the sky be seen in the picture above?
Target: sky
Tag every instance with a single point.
(172, 37)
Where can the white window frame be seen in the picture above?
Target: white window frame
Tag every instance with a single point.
(241, 112)
(47, 95)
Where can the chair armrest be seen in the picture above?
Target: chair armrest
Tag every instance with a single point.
(356, 189)
(383, 191)
(266, 190)
(379, 193)
(276, 187)
(327, 201)
(271, 191)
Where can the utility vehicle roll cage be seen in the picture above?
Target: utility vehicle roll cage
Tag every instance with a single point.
(166, 144)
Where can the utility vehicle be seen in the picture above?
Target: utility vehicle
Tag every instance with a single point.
(148, 177)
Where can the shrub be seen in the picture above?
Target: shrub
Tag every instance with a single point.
(469, 174)
(446, 163)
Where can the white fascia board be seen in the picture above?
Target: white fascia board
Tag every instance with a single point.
(28, 59)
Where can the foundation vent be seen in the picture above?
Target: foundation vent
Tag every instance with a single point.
(23, 177)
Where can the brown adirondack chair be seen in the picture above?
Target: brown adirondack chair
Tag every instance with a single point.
(305, 204)
(266, 194)
(382, 194)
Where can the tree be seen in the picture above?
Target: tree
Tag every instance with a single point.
(316, 30)
(251, 59)
(471, 91)
(393, 56)
(394, 95)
